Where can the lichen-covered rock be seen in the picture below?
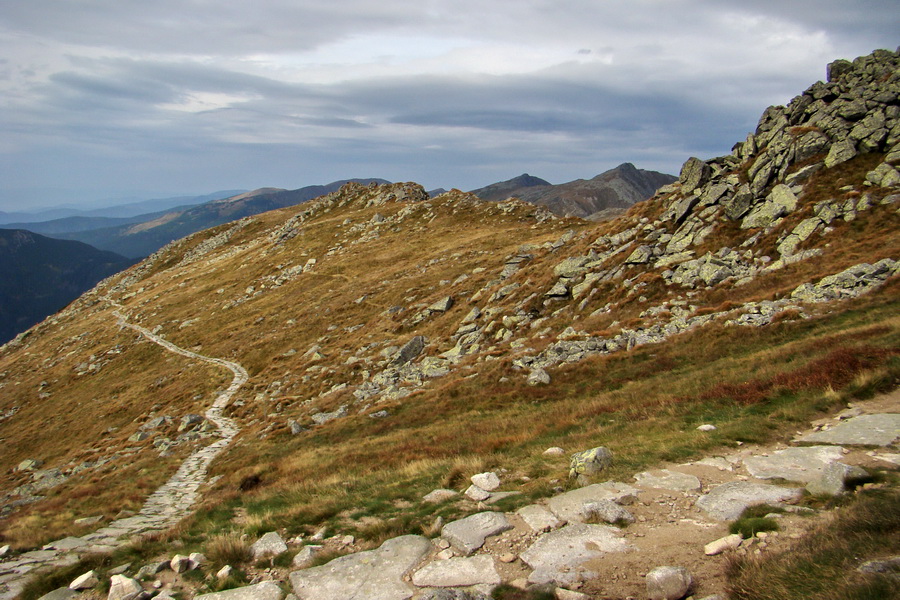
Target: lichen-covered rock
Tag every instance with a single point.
(694, 173)
(590, 462)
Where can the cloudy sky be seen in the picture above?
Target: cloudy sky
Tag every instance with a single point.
(115, 98)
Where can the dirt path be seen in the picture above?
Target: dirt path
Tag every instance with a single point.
(164, 508)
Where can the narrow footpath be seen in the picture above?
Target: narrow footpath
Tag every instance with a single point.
(163, 509)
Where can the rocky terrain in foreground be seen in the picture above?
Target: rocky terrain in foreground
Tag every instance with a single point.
(363, 343)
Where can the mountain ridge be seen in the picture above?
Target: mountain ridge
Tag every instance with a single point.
(397, 345)
(602, 197)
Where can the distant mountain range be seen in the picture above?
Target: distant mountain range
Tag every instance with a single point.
(603, 197)
(13, 220)
(145, 235)
(41, 275)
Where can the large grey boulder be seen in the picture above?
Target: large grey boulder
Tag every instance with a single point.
(458, 572)
(668, 583)
(371, 575)
(269, 544)
(726, 502)
(841, 151)
(468, 535)
(694, 173)
(864, 430)
(793, 464)
(267, 590)
(570, 506)
(559, 555)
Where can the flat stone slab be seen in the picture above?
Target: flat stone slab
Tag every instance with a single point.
(570, 506)
(668, 480)
(794, 464)
(69, 543)
(864, 430)
(467, 535)
(539, 518)
(371, 575)
(558, 556)
(267, 590)
(458, 572)
(726, 502)
(60, 594)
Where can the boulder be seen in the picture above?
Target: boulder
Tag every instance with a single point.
(538, 377)
(608, 512)
(267, 590)
(409, 351)
(269, 544)
(468, 535)
(726, 502)
(841, 151)
(373, 575)
(793, 464)
(458, 572)
(668, 583)
(486, 481)
(538, 518)
(473, 492)
(570, 505)
(590, 462)
(123, 588)
(306, 556)
(180, 563)
(694, 173)
(835, 478)
(85, 581)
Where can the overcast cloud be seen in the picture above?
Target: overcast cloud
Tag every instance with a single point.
(107, 98)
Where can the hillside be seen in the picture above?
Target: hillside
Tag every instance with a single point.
(358, 353)
(603, 197)
(140, 239)
(40, 275)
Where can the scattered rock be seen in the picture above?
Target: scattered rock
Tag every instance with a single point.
(668, 583)
(60, 594)
(706, 427)
(554, 451)
(729, 542)
(467, 535)
(608, 512)
(225, 572)
(793, 464)
(269, 544)
(570, 505)
(180, 563)
(124, 588)
(538, 377)
(477, 494)
(306, 556)
(486, 481)
(539, 518)
(85, 581)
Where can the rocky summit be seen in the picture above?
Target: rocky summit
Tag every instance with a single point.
(382, 394)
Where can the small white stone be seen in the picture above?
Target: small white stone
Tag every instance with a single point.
(706, 427)
(477, 494)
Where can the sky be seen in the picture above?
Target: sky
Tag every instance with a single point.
(113, 99)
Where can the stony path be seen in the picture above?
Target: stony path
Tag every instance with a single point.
(164, 508)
